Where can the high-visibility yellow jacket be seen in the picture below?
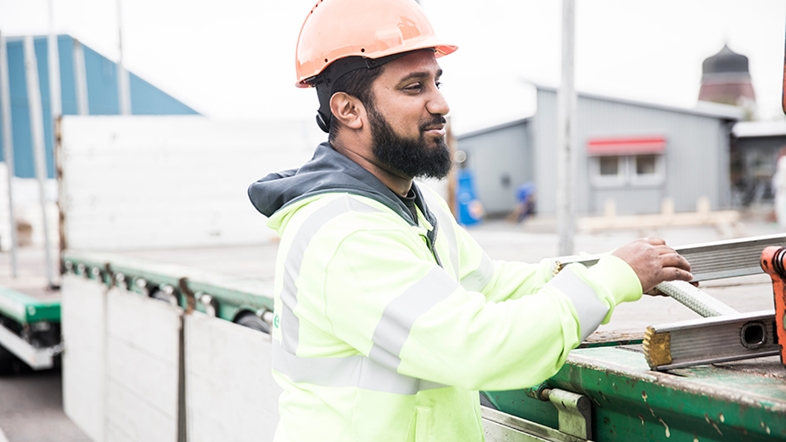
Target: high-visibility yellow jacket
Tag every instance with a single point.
(385, 328)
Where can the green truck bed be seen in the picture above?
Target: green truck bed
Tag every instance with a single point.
(26, 309)
(29, 330)
(739, 401)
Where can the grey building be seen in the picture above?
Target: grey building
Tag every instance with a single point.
(755, 147)
(632, 154)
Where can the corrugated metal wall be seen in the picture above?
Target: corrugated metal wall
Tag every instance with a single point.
(102, 96)
(697, 155)
(753, 165)
(501, 160)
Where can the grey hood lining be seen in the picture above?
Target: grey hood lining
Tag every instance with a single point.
(329, 172)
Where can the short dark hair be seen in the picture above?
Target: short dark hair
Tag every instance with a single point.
(358, 84)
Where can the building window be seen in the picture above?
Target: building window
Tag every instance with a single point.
(609, 170)
(627, 161)
(609, 166)
(621, 170)
(645, 165)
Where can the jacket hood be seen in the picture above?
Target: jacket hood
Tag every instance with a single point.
(327, 171)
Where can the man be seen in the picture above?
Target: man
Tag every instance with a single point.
(388, 316)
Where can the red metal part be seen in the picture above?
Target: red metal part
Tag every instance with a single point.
(773, 262)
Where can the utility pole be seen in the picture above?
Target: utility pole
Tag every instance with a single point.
(123, 88)
(55, 96)
(566, 137)
(53, 52)
(39, 154)
(8, 146)
(82, 104)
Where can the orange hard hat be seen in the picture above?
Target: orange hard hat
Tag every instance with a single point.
(372, 29)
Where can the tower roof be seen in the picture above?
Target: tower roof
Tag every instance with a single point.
(725, 61)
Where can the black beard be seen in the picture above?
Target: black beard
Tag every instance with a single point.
(413, 158)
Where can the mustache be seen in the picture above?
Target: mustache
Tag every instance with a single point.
(436, 121)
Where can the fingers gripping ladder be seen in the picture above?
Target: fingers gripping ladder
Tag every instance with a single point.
(722, 335)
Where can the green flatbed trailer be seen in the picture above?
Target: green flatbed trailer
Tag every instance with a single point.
(739, 401)
(623, 400)
(246, 301)
(29, 331)
(30, 327)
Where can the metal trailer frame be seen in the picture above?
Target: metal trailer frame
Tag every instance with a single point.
(217, 295)
(29, 330)
(722, 402)
(28, 326)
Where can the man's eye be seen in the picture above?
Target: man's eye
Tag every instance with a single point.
(414, 87)
(438, 84)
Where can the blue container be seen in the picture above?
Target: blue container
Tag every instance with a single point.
(470, 208)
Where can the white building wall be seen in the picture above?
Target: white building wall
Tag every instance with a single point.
(179, 181)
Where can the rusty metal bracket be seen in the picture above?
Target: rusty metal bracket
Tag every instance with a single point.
(188, 294)
(504, 427)
(574, 418)
(574, 412)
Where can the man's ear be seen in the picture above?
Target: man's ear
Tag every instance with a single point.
(347, 109)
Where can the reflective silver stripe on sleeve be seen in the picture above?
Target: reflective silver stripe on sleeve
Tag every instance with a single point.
(475, 281)
(352, 371)
(590, 308)
(396, 322)
(448, 232)
(290, 324)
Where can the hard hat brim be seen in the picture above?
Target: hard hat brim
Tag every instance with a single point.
(336, 29)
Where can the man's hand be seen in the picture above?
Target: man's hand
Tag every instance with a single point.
(654, 262)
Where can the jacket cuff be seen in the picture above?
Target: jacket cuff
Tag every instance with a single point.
(618, 278)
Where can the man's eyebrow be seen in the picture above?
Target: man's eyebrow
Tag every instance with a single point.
(417, 75)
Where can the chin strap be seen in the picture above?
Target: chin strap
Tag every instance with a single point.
(325, 81)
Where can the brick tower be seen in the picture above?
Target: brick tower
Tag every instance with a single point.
(726, 79)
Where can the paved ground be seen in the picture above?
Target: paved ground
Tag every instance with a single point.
(31, 403)
(31, 409)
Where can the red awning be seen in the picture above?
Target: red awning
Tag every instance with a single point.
(626, 146)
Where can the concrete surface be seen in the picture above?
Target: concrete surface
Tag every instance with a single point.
(31, 409)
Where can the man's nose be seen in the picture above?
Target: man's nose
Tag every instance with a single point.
(437, 105)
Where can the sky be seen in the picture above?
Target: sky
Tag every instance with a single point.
(234, 59)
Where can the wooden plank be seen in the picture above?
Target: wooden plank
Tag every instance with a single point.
(144, 324)
(142, 360)
(718, 218)
(132, 417)
(231, 394)
(83, 361)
